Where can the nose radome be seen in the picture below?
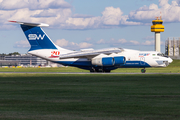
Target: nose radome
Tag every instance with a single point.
(170, 60)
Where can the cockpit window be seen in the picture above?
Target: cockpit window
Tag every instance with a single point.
(160, 54)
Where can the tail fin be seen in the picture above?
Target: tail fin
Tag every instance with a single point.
(37, 38)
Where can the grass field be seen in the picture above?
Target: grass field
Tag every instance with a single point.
(89, 97)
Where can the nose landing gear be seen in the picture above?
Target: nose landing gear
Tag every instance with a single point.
(143, 70)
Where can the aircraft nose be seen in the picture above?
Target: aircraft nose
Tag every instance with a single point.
(170, 60)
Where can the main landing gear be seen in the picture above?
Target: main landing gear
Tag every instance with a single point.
(100, 70)
(143, 70)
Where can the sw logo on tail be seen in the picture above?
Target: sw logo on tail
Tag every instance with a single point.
(102, 60)
(34, 36)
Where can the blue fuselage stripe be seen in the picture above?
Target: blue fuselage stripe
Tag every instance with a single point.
(84, 64)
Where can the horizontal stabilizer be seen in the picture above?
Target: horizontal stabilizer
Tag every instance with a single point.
(31, 24)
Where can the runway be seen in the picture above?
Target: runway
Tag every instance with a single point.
(87, 73)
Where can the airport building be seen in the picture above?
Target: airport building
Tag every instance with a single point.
(21, 60)
(172, 47)
(157, 28)
(8, 63)
(26, 60)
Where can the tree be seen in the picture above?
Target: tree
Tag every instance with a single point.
(14, 53)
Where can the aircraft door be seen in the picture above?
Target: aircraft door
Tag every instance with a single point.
(142, 60)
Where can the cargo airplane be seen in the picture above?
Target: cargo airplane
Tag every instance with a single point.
(101, 60)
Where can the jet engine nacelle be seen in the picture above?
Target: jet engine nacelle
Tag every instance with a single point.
(109, 61)
(119, 60)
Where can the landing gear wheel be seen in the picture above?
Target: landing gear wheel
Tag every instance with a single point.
(143, 70)
(97, 70)
(92, 70)
(107, 71)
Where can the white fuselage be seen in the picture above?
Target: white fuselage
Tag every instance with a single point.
(134, 58)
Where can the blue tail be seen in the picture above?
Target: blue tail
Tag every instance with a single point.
(37, 38)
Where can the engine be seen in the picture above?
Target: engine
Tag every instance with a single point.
(119, 60)
(109, 61)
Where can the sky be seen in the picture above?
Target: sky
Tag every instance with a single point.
(82, 24)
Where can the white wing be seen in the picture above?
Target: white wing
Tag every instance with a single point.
(91, 53)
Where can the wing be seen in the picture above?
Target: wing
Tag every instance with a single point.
(91, 53)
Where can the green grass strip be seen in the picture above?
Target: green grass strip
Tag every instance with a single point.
(87, 97)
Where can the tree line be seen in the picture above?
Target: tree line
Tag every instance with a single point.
(14, 53)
